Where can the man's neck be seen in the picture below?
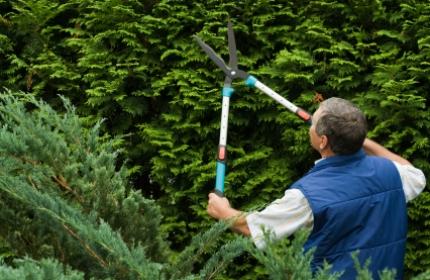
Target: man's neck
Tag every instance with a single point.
(327, 152)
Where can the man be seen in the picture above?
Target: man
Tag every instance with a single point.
(354, 198)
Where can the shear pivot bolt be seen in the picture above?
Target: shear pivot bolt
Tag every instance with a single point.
(233, 72)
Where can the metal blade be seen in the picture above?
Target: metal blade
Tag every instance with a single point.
(212, 55)
(227, 81)
(231, 46)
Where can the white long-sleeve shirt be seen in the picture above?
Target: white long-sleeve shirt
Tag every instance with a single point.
(286, 215)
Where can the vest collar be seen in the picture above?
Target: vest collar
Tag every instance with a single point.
(338, 160)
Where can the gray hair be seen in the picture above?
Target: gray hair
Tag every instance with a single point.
(344, 125)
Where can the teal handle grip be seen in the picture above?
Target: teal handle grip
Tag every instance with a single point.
(250, 81)
(227, 91)
(220, 176)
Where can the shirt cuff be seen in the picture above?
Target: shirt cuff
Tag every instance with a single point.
(256, 229)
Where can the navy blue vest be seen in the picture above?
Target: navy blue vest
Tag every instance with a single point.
(358, 203)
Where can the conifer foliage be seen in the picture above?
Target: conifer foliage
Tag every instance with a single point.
(135, 65)
(64, 198)
(70, 193)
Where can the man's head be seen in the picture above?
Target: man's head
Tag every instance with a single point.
(338, 127)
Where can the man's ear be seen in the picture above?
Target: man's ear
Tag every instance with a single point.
(324, 142)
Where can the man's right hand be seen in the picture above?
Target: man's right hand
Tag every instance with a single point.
(219, 207)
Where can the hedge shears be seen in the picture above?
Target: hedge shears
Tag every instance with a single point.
(232, 72)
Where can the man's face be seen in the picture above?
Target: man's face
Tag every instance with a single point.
(315, 139)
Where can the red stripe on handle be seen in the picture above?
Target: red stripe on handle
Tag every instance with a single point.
(222, 153)
(303, 114)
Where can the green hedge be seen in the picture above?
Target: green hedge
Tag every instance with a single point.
(135, 64)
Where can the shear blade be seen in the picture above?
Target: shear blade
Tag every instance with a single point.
(231, 46)
(212, 55)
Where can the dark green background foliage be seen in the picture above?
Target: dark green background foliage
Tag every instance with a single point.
(135, 64)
